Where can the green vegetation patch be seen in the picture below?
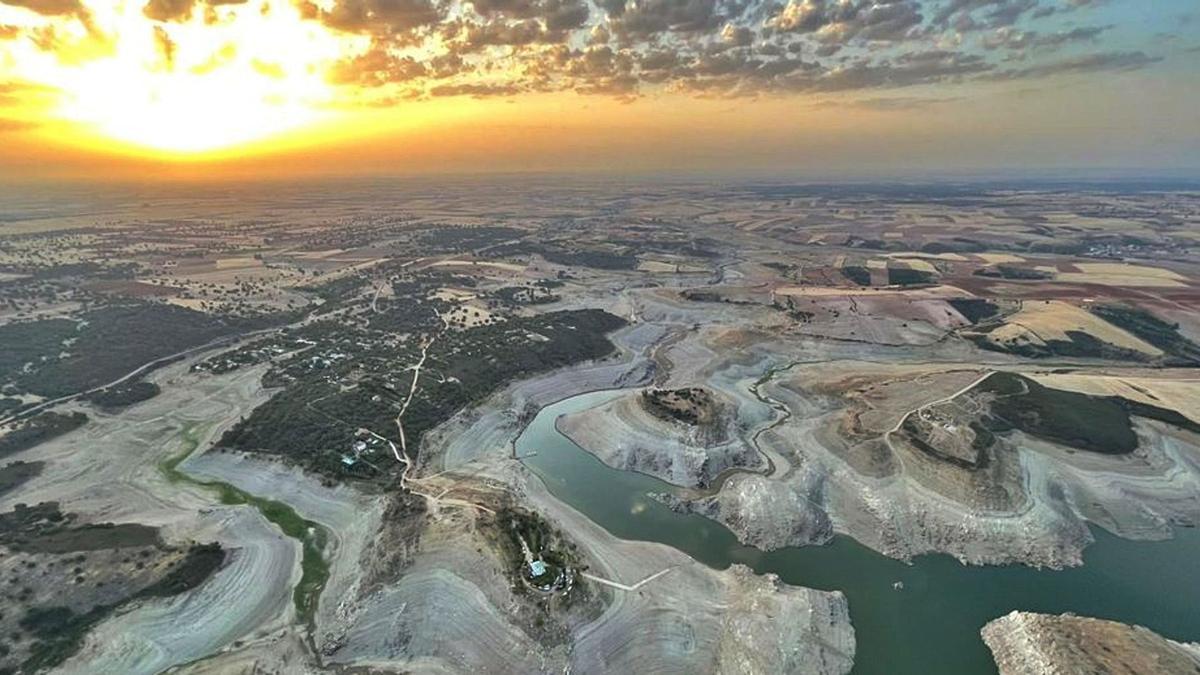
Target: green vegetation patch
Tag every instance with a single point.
(525, 295)
(314, 421)
(14, 474)
(55, 357)
(1150, 328)
(546, 543)
(44, 529)
(975, 309)
(337, 289)
(457, 239)
(197, 565)
(905, 276)
(1012, 273)
(59, 631)
(27, 433)
(59, 634)
(32, 342)
(1079, 345)
(1092, 423)
(603, 260)
(1100, 424)
(688, 405)
(124, 394)
(858, 274)
(312, 536)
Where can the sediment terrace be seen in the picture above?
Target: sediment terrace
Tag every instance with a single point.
(626, 435)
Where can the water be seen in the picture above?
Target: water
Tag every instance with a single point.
(931, 625)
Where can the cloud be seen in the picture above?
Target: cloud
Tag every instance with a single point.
(646, 18)
(842, 20)
(557, 15)
(376, 67)
(1089, 63)
(870, 49)
(377, 17)
(737, 36)
(928, 67)
(50, 7)
(179, 10)
(524, 32)
(970, 15)
(166, 47)
(475, 90)
(1013, 39)
(887, 104)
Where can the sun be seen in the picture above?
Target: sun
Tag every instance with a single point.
(241, 73)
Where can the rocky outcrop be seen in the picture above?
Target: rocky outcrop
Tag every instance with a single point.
(770, 627)
(761, 512)
(624, 434)
(1025, 643)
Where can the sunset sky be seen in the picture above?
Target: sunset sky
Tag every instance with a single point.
(837, 87)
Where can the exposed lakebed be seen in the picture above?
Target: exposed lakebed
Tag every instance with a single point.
(922, 617)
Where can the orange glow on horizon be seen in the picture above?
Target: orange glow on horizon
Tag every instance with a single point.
(280, 87)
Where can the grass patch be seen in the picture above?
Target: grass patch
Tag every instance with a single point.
(199, 563)
(45, 529)
(1077, 345)
(36, 430)
(59, 357)
(312, 536)
(903, 276)
(13, 475)
(1092, 423)
(858, 274)
(974, 309)
(59, 632)
(124, 394)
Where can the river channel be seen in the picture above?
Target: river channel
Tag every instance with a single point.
(930, 624)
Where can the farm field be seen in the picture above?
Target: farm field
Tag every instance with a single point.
(687, 427)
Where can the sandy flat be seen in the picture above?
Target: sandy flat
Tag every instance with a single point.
(453, 295)
(656, 266)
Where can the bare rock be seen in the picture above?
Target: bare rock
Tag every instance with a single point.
(1025, 643)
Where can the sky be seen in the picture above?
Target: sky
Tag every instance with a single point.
(162, 89)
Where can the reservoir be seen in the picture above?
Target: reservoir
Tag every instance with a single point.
(931, 625)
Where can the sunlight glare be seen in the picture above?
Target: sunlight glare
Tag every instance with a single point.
(195, 87)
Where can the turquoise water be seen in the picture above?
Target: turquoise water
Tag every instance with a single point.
(932, 624)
